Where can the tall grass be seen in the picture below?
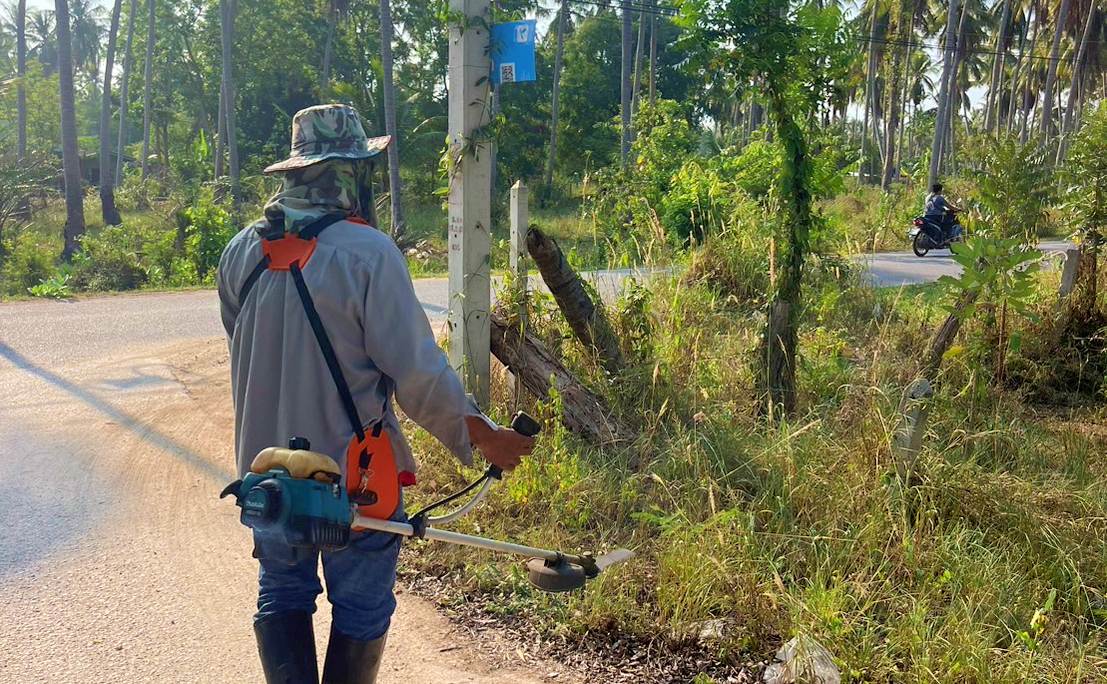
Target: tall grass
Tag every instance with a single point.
(990, 566)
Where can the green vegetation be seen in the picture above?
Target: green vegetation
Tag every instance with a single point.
(990, 566)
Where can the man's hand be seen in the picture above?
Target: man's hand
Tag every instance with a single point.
(500, 446)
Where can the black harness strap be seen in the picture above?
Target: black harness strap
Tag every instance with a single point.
(313, 229)
(328, 352)
(251, 279)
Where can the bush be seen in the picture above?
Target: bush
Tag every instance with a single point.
(26, 262)
(109, 260)
(734, 264)
(208, 227)
(56, 287)
(1014, 189)
(697, 203)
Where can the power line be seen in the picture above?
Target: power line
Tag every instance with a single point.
(639, 6)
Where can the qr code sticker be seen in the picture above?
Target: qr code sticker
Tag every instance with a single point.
(507, 72)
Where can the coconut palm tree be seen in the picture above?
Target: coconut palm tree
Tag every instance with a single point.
(228, 11)
(43, 40)
(147, 87)
(1059, 21)
(107, 170)
(1032, 73)
(998, 60)
(335, 10)
(948, 58)
(559, 54)
(395, 189)
(71, 162)
(86, 21)
(919, 86)
(625, 84)
(1077, 74)
(124, 89)
(968, 69)
(874, 14)
(21, 73)
(894, 96)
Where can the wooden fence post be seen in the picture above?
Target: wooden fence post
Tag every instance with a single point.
(520, 222)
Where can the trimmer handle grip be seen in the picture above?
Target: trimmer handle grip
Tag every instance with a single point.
(525, 425)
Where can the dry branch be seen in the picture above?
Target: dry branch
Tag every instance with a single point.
(527, 358)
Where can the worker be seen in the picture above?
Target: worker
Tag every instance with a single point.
(285, 383)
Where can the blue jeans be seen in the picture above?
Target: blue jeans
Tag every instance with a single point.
(359, 580)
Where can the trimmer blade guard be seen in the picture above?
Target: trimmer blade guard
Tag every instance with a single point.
(555, 576)
(566, 575)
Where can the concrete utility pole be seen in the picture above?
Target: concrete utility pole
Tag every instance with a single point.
(470, 210)
(520, 222)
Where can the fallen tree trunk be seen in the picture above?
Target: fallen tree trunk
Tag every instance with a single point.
(583, 412)
(586, 318)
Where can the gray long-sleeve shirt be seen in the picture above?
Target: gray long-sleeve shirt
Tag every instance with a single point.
(380, 333)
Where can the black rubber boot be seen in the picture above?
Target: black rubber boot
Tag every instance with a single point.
(352, 662)
(286, 644)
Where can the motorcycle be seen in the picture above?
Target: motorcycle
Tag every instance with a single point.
(927, 233)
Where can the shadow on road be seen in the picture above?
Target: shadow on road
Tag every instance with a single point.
(143, 430)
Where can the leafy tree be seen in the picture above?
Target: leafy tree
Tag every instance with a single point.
(590, 94)
(999, 271)
(778, 46)
(1086, 201)
(1014, 189)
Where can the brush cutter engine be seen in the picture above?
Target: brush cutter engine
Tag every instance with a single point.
(312, 512)
(296, 494)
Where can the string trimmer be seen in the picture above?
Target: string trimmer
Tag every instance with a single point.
(295, 494)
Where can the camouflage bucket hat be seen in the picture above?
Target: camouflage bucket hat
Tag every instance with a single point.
(330, 131)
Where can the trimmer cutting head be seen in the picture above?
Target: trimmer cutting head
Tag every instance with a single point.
(555, 576)
(567, 573)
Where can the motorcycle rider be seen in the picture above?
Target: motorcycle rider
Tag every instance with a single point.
(940, 211)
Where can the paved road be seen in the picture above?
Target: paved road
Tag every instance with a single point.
(892, 269)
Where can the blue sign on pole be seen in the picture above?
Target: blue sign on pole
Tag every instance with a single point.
(513, 52)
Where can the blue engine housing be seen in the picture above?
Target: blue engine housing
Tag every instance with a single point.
(304, 513)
